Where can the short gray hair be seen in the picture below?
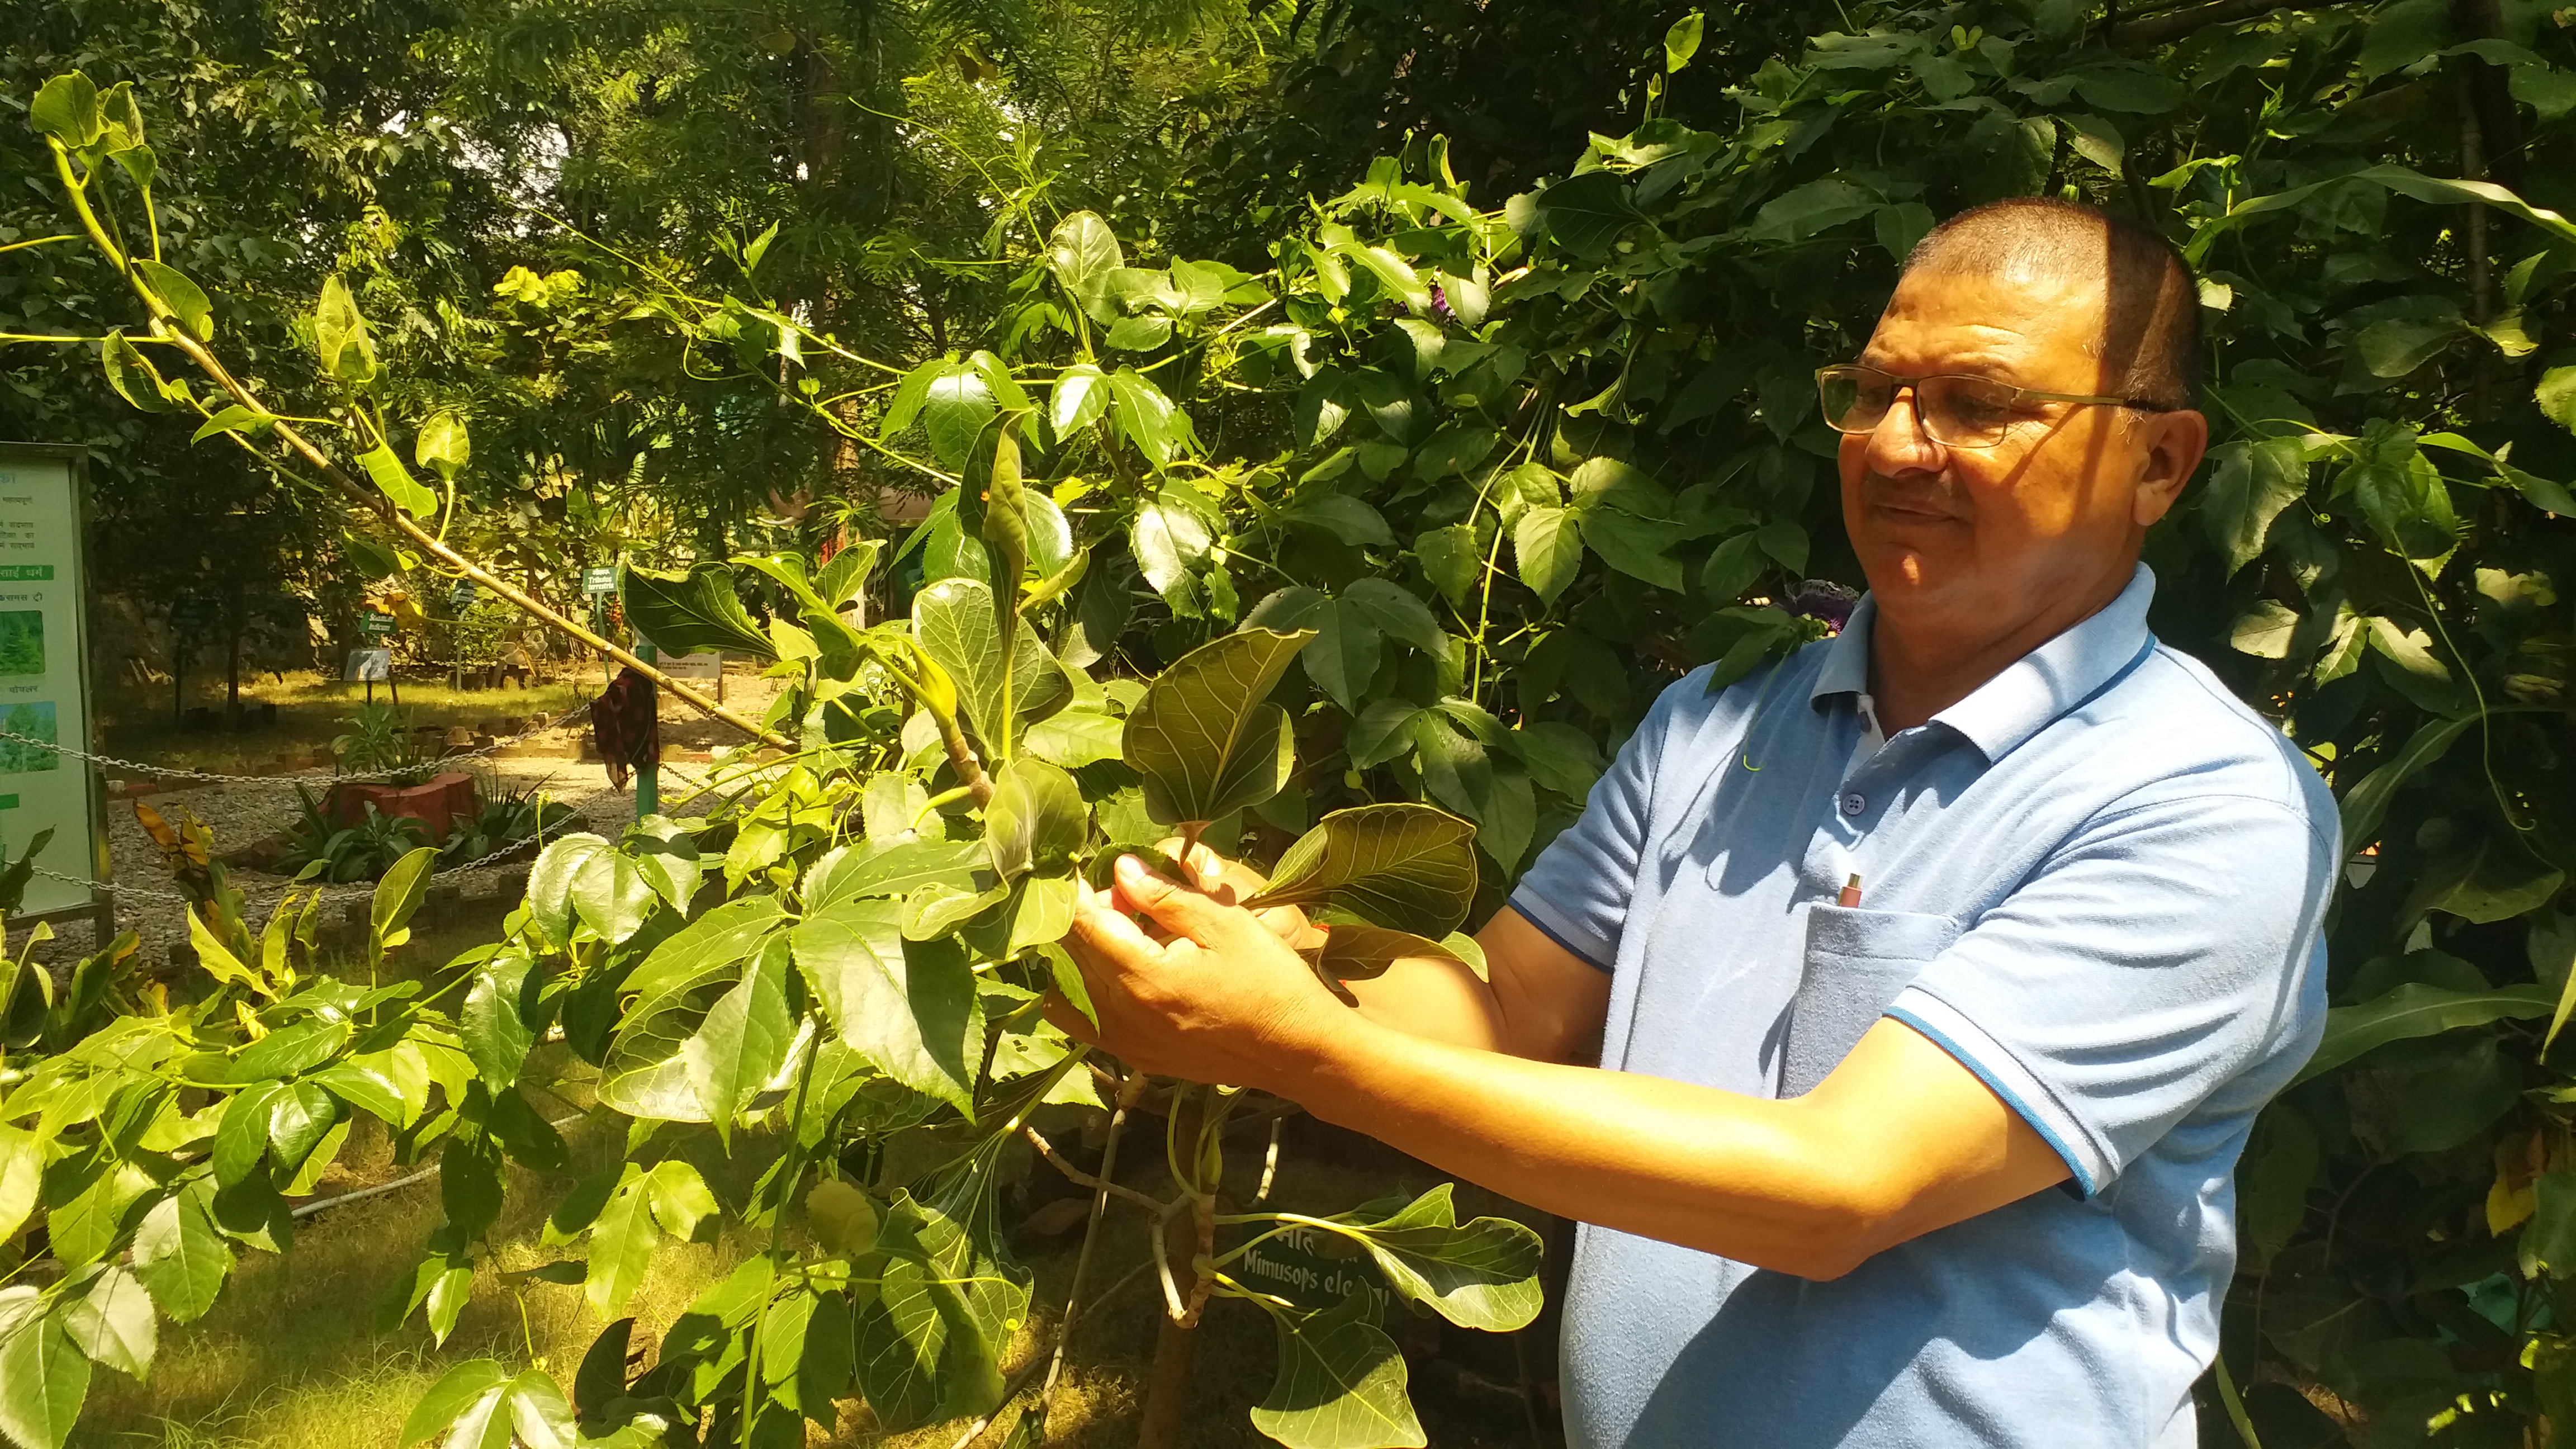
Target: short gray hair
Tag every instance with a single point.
(2151, 334)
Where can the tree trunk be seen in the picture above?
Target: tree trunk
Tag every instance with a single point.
(1167, 1386)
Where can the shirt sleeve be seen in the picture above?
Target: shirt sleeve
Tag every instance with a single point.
(2164, 953)
(1578, 889)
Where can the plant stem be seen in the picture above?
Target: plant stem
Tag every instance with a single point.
(1130, 1088)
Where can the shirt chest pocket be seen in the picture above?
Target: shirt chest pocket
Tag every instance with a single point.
(1856, 962)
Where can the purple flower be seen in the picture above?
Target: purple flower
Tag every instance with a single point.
(1440, 306)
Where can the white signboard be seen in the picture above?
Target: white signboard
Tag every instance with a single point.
(705, 666)
(44, 685)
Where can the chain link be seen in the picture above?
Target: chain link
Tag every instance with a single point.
(168, 772)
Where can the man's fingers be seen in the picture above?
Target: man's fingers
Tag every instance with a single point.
(1070, 1021)
(1098, 925)
(1182, 911)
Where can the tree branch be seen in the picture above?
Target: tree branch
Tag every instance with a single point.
(2173, 25)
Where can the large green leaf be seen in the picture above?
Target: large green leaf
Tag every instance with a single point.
(1341, 1384)
(180, 1255)
(621, 1244)
(43, 1378)
(744, 1040)
(954, 623)
(1411, 867)
(187, 300)
(644, 1073)
(112, 1322)
(685, 613)
(462, 1405)
(1036, 820)
(1482, 1274)
(2415, 1009)
(1547, 548)
(913, 1015)
(1084, 255)
(879, 868)
(2250, 482)
(66, 108)
(1206, 737)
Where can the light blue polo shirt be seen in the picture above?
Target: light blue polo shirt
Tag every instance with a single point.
(2098, 882)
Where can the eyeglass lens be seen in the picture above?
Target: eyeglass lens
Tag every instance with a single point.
(1964, 412)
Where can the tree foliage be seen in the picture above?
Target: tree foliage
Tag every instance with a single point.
(1432, 483)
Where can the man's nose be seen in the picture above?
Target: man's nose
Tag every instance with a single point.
(1900, 443)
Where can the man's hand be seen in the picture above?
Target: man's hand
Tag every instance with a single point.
(1221, 998)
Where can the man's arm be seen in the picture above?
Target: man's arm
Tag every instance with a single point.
(1900, 1140)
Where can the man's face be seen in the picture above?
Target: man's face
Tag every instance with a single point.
(1981, 541)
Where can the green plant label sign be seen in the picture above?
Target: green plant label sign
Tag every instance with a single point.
(1302, 1266)
(599, 581)
(44, 695)
(374, 625)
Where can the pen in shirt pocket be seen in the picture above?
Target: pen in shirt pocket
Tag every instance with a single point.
(1851, 893)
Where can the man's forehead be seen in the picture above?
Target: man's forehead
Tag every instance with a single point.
(1992, 316)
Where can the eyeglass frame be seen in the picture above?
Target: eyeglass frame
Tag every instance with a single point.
(2017, 396)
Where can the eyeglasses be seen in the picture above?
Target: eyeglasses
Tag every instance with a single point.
(1958, 411)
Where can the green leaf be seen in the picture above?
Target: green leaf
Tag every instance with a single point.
(2413, 1010)
(22, 1178)
(443, 445)
(1547, 549)
(1398, 614)
(955, 408)
(2265, 630)
(1084, 254)
(133, 376)
(1147, 419)
(612, 895)
(1206, 737)
(43, 1378)
(2557, 396)
(1383, 731)
(1356, 950)
(643, 1073)
(1347, 518)
(550, 883)
(621, 1245)
(1587, 213)
(680, 1197)
(1079, 399)
(1450, 560)
(1341, 1384)
(113, 1323)
(399, 894)
(744, 1040)
(1344, 655)
(2547, 1244)
(685, 613)
(1407, 866)
(1633, 545)
(241, 1139)
(396, 482)
(66, 109)
(341, 336)
(539, 1416)
(1036, 820)
(875, 868)
(453, 1400)
(954, 624)
(665, 855)
(1075, 738)
(914, 1017)
(187, 301)
(235, 418)
(180, 1255)
(2250, 482)
(1481, 1275)
(1804, 211)
(1681, 41)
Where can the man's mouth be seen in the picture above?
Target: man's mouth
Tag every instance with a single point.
(1904, 506)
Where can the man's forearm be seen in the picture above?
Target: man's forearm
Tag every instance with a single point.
(1754, 1180)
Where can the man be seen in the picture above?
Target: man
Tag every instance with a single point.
(1948, 1164)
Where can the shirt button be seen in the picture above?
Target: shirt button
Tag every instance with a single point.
(1854, 802)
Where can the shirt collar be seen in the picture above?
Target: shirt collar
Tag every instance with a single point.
(2034, 689)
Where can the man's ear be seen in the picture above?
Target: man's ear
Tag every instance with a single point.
(2175, 443)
